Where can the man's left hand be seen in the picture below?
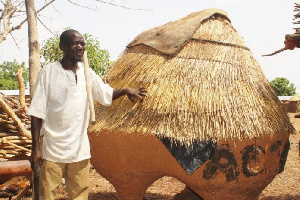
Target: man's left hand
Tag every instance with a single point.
(132, 94)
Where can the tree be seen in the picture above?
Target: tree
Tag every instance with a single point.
(283, 87)
(98, 58)
(9, 73)
(34, 45)
(12, 16)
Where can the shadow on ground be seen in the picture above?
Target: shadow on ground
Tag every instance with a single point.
(282, 197)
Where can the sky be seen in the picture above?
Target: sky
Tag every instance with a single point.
(262, 24)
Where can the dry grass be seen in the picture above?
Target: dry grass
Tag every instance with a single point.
(212, 88)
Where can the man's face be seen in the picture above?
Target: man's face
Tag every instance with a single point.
(73, 47)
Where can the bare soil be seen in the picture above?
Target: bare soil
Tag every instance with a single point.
(285, 186)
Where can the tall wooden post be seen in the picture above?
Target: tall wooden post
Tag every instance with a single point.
(34, 46)
(34, 63)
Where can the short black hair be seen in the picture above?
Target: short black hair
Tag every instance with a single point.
(64, 35)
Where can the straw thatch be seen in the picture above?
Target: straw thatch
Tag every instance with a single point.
(210, 88)
(296, 97)
(297, 16)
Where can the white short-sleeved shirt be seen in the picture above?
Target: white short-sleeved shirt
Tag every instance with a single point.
(62, 104)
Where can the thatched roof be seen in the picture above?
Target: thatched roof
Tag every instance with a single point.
(296, 97)
(211, 88)
(171, 37)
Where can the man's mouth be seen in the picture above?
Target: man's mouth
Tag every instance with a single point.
(79, 53)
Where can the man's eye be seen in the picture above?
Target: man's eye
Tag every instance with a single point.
(78, 43)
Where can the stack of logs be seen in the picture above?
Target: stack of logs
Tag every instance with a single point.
(12, 142)
(15, 137)
(15, 144)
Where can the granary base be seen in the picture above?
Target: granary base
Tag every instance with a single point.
(238, 169)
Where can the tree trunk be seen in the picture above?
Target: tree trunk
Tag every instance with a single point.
(34, 46)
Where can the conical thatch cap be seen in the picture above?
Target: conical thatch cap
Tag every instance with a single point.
(296, 97)
(211, 87)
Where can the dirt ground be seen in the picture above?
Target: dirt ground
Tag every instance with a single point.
(285, 186)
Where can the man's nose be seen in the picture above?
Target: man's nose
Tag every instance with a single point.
(80, 46)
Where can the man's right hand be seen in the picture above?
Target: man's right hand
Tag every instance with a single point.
(36, 154)
(36, 161)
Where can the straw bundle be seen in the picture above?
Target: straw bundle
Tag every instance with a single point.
(211, 88)
(296, 97)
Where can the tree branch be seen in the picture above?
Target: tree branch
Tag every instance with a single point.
(14, 40)
(22, 90)
(47, 4)
(118, 5)
(79, 5)
(7, 14)
(45, 26)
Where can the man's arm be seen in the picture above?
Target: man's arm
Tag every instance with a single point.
(130, 92)
(36, 154)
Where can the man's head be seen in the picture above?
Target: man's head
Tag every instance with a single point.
(72, 44)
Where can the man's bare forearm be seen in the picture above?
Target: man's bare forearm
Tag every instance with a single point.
(119, 92)
(130, 92)
(36, 125)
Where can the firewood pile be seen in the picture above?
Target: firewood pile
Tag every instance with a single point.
(15, 137)
(15, 188)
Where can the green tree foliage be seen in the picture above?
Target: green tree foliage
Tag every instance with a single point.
(98, 58)
(283, 87)
(9, 73)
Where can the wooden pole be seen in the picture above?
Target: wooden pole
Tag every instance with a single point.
(34, 64)
(22, 90)
(33, 42)
(88, 87)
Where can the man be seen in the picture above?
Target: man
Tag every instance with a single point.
(60, 115)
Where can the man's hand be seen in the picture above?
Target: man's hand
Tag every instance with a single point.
(36, 161)
(134, 93)
(130, 92)
(36, 154)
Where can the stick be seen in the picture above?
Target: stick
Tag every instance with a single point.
(22, 90)
(16, 146)
(88, 87)
(36, 182)
(22, 193)
(15, 137)
(20, 141)
(276, 52)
